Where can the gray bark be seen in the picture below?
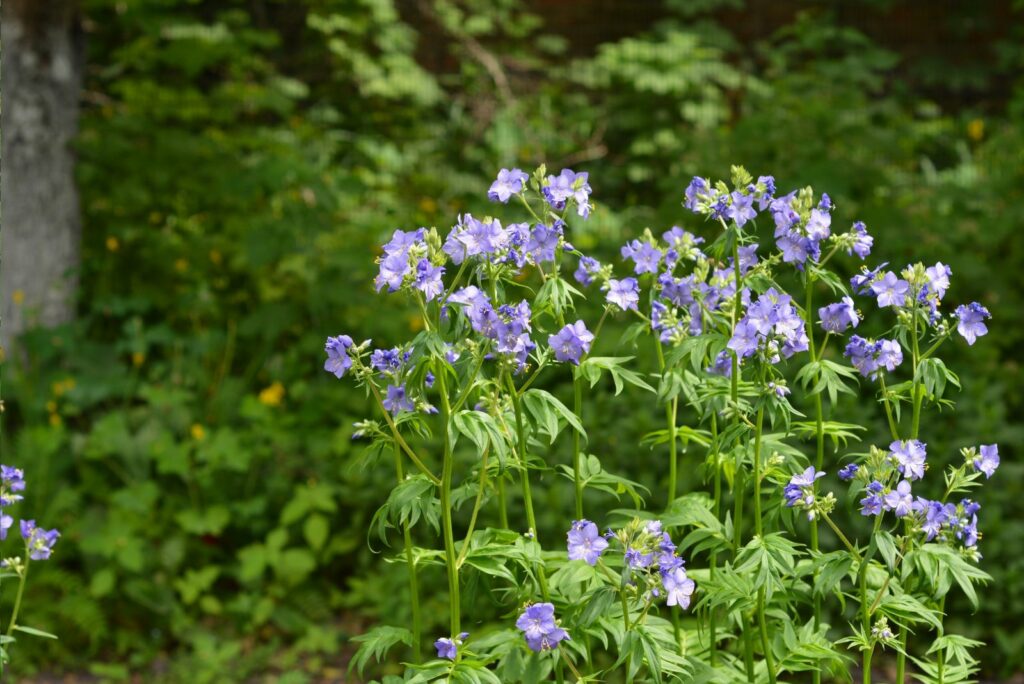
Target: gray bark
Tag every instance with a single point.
(40, 224)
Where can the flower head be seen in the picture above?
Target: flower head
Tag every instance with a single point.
(971, 321)
(872, 503)
(799, 492)
(678, 587)
(588, 268)
(538, 625)
(910, 457)
(40, 542)
(835, 318)
(891, 290)
(509, 182)
(397, 400)
(624, 293)
(988, 461)
(585, 542)
(645, 256)
(571, 342)
(338, 361)
(565, 186)
(899, 500)
(848, 472)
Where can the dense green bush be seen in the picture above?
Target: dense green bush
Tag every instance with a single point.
(238, 163)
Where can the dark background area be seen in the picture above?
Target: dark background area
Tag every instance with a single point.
(237, 164)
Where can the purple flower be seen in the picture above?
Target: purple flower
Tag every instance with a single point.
(742, 208)
(585, 542)
(934, 516)
(5, 524)
(818, 225)
(588, 268)
(428, 279)
(644, 255)
(446, 648)
(848, 472)
(338, 361)
(971, 323)
(938, 278)
(861, 282)
(402, 241)
(543, 241)
(988, 461)
(869, 357)
(872, 503)
(568, 185)
(40, 542)
(571, 342)
(910, 456)
(835, 318)
(697, 187)
(679, 291)
(636, 560)
(890, 290)
(386, 360)
(538, 625)
(393, 269)
(799, 491)
(510, 182)
(744, 338)
(862, 242)
(624, 293)
(397, 401)
(899, 500)
(722, 365)
(11, 480)
(890, 354)
(678, 588)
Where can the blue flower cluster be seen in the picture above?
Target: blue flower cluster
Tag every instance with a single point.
(799, 491)
(39, 542)
(772, 326)
(888, 477)
(648, 552)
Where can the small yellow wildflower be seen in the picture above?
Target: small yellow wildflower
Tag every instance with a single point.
(976, 129)
(18, 297)
(113, 244)
(198, 432)
(272, 395)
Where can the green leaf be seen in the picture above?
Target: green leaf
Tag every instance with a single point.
(592, 368)
(376, 643)
(34, 632)
(315, 530)
(546, 410)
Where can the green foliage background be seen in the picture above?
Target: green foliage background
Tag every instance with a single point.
(238, 164)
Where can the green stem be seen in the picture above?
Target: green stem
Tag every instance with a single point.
(901, 659)
(866, 665)
(502, 503)
(713, 630)
(577, 405)
(17, 597)
(398, 436)
(758, 527)
(917, 396)
(451, 565)
(819, 437)
(671, 414)
(531, 519)
(476, 509)
(734, 393)
(414, 589)
(888, 409)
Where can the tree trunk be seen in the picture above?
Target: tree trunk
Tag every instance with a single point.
(41, 76)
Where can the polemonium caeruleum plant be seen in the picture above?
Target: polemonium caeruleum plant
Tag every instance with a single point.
(731, 318)
(37, 545)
